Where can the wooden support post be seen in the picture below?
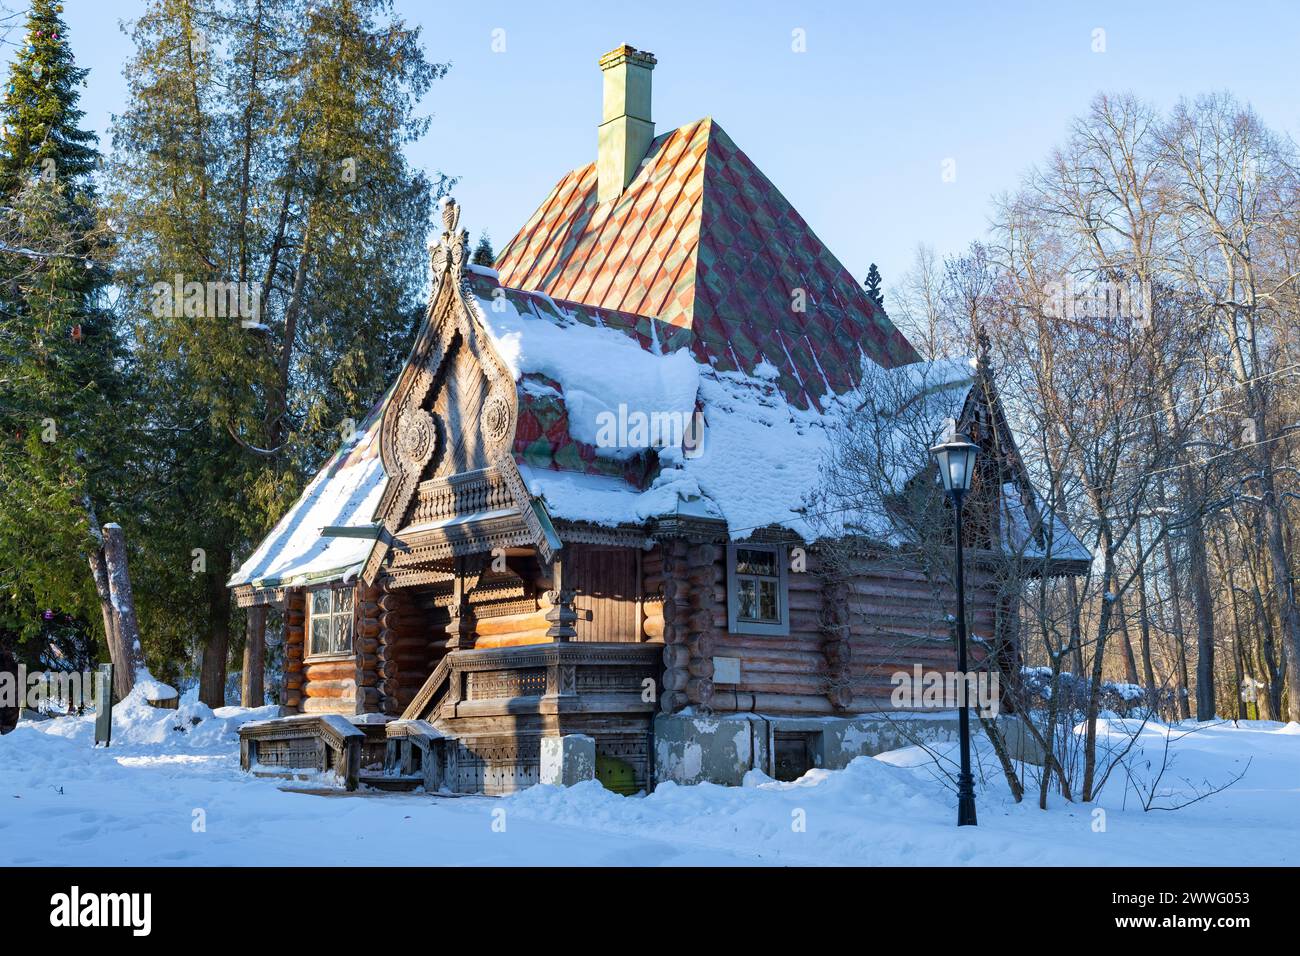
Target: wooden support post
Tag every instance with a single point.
(460, 629)
(104, 705)
(561, 615)
(252, 691)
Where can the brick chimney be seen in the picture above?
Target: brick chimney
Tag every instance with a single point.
(626, 130)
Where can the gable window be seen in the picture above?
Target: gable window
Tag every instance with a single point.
(331, 621)
(757, 591)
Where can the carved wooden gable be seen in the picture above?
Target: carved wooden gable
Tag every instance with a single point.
(458, 408)
(454, 408)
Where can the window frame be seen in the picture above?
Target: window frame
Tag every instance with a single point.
(779, 628)
(334, 614)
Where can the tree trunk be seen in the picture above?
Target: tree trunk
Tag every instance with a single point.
(1243, 666)
(1259, 576)
(1144, 627)
(1130, 662)
(1203, 604)
(1180, 642)
(122, 678)
(1283, 591)
(1098, 663)
(213, 669)
(251, 691)
(125, 625)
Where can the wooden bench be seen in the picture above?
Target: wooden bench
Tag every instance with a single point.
(306, 742)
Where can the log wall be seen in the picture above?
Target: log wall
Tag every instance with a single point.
(693, 618)
(295, 617)
(850, 631)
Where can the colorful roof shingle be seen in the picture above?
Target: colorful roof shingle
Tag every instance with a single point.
(702, 240)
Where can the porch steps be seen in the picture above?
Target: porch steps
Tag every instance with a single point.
(392, 783)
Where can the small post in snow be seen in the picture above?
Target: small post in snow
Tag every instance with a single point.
(104, 705)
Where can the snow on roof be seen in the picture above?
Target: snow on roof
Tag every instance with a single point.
(583, 375)
(1055, 537)
(344, 493)
(759, 455)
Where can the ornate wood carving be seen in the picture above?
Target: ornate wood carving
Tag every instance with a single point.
(460, 629)
(452, 415)
(488, 685)
(561, 614)
(483, 490)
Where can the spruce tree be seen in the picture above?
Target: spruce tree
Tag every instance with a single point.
(483, 254)
(263, 145)
(42, 132)
(61, 388)
(872, 286)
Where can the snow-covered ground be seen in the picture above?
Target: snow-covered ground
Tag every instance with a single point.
(162, 796)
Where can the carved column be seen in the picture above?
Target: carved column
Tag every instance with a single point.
(701, 568)
(388, 666)
(460, 629)
(690, 605)
(672, 696)
(561, 614)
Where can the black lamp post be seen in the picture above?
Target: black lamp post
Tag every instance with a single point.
(956, 458)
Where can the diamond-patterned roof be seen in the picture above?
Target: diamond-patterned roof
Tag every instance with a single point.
(702, 240)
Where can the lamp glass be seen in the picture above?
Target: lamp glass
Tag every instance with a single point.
(956, 464)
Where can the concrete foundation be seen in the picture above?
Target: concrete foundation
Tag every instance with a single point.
(567, 760)
(721, 749)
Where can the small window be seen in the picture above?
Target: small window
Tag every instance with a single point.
(757, 596)
(331, 621)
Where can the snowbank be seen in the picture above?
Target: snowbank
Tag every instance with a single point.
(192, 726)
(164, 796)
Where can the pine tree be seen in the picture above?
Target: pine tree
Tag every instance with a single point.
(263, 145)
(483, 254)
(61, 388)
(42, 132)
(872, 285)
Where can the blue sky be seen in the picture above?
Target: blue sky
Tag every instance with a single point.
(854, 131)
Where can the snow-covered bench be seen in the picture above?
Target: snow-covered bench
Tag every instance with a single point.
(317, 743)
(416, 749)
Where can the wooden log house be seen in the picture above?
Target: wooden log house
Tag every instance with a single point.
(576, 511)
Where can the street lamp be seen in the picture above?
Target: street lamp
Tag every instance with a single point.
(956, 458)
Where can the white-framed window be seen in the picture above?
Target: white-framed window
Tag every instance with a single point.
(758, 595)
(330, 622)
